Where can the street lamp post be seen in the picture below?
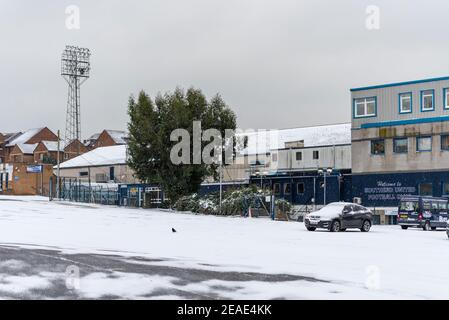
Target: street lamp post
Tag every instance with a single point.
(325, 173)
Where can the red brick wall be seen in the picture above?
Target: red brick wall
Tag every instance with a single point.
(27, 184)
(104, 140)
(17, 156)
(72, 149)
(42, 149)
(44, 135)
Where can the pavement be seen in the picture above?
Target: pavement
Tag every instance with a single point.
(21, 268)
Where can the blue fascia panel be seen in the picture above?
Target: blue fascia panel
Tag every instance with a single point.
(403, 122)
(397, 84)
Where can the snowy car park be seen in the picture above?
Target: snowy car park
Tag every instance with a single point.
(123, 253)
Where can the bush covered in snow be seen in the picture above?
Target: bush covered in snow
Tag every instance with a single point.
(234, 202)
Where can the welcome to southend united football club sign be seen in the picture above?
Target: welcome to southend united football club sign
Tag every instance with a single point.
(383, 191)
(388, 191)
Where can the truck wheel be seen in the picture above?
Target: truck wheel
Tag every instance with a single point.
(311, 229)
(404, 227)
(366, 226)
(427, 226)
(335, 226)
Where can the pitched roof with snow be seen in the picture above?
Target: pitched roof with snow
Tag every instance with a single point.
(53, 145)
(104, 156)
(119, 137)
(23, 137)
(27, 148)
(319, 136)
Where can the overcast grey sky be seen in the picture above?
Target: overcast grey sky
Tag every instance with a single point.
(278, 64)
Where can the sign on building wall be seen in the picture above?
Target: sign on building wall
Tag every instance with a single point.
(34, 169)
(385, 190)
(388, 191)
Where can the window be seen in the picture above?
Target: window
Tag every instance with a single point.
(425, 189)
(446, 189)
(446, 98)
(274, 157)
(84, 173)
(405, 102)
(316, 155)
(445, 142)
(298, 156)
(365, 107)
(409, 206)
(100, 178)
(427, 100)
(423, 144)
(111, 173)
(287, 188)
(378, 147)
(301, 188)
(400, 145)
(277, 188)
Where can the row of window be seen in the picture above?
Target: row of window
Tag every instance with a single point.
(400, 145)
(299, 157)
(300, 188)
(367, 107)
(426, 189)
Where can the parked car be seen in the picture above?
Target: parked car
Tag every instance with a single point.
(428, 213)
(340, 216)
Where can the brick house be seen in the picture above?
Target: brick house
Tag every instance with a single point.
(107, 138)
(2, 147)
(74, 149)
(29, 137)
(46, 152)
(22, 153)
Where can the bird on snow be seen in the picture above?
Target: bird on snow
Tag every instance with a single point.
(174, 231)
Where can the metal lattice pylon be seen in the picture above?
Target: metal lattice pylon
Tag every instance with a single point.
(75, 69)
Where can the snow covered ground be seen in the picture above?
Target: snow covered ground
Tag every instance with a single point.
(387, 263)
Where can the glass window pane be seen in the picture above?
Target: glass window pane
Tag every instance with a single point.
(446, 188)
(360, 109)
(301, 188)
(425, 189)
(287, 188)
(427, 97)
(401, 145)
(371, 108)
(378, 147)
(406, 102)
(424, 144)
(447, 98)
(444, 142)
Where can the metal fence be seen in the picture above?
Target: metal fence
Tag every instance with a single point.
(75, 190)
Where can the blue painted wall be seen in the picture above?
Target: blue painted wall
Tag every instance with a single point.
(385, 190)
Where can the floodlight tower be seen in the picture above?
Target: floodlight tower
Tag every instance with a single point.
(75, 69)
